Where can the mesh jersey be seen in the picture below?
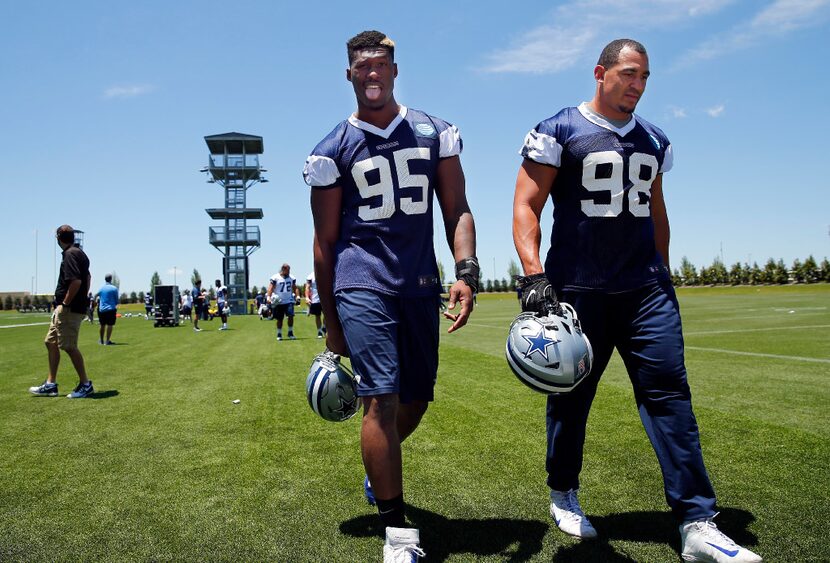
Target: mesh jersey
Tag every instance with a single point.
(388, 178)
(603, 234)
(284, 287)
(312, 288)
(221, 294)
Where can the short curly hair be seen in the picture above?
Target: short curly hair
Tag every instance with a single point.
(611, 53)
(370, 40)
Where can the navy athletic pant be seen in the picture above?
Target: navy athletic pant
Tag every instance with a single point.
(644, 326)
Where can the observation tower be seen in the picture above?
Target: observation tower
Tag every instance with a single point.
(234, 165)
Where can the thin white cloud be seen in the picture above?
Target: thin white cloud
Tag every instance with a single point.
(677, 113)
(716, 111)
(572, 33)
(127, 91)
(543, 50)
(778, 18)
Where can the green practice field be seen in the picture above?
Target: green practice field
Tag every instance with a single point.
(161, 465)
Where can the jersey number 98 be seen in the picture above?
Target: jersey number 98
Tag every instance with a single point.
(615, 185)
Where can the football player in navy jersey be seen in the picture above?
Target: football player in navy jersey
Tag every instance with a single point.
(372, 181)
(602, 166)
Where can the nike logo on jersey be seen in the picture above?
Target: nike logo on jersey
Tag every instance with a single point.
(726, 552)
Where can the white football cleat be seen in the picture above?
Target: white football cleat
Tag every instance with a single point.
(402, 546)
(568, 515)
(700, 540)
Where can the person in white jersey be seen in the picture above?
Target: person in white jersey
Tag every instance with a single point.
(284, 285)
(222, 303)
(312, 299)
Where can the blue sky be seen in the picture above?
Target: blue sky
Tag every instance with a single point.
(105, 106)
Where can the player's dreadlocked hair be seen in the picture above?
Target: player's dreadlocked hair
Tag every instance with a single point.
(370, 40)
(611, 53)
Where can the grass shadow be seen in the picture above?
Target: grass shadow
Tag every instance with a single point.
(512, 540)
(104, 394)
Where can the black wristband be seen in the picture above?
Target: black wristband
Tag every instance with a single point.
(468, 271)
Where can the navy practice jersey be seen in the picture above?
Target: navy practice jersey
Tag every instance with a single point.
(603, 234)
(388, 177)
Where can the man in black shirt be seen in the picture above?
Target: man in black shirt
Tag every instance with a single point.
(70, 311)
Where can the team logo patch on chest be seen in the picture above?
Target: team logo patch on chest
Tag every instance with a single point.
(425, 130)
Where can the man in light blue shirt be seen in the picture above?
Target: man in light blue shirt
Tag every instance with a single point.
(107, 307)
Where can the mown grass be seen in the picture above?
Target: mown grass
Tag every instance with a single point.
(162, 466)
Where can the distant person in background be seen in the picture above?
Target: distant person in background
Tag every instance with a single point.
(187, 305)
(198, 304)
(261, 304)
(222, 303)
(312, 299)
(107, 309)
(148, 305)
(71, 304)
(284, 286)
(91, 308)
(206, 308)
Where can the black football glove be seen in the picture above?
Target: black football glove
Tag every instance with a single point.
(537, 294)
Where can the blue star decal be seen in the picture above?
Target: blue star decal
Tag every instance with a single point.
(346, 405)
(538, 343)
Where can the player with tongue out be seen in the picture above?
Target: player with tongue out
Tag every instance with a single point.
(373, 182)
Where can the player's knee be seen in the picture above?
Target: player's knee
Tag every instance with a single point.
(662, 387)
(380, 409)
(416, 408)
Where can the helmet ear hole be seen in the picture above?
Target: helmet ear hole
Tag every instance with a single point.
(331, 388)
(549, 354)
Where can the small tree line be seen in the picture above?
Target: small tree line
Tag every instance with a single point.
(27, 302)
(773, 272)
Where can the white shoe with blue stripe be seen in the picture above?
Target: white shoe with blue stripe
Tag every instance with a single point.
(568, 515)
(700, 540)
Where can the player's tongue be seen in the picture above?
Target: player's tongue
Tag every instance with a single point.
(373, 93)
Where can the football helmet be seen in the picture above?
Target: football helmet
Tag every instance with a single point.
(331, 388)
(549, 353)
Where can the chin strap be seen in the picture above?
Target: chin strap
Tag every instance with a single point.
(468, 271)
